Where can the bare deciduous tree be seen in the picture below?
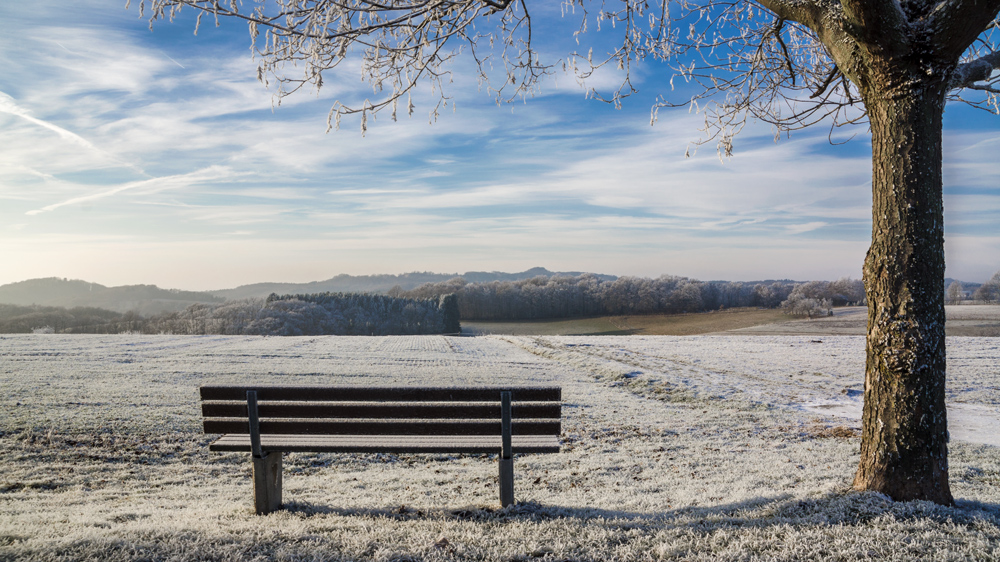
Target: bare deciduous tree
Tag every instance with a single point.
(954, 293)
(790, 63)
(989, 291)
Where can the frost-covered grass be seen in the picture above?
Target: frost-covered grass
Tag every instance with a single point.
(695, 448)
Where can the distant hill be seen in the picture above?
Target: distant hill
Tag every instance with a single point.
(382, 283)
(967, 285)
(70, 293)
(150, 299)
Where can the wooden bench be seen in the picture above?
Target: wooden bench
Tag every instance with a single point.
(270, 420)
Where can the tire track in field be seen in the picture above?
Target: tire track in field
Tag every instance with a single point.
(639, 365)
(622, 368)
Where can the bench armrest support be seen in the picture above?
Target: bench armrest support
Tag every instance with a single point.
(254, 424)
(505, 424)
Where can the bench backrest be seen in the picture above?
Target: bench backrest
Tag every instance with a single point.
(354, 410)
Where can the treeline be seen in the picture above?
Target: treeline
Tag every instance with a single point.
(987, 293)
(370, 314)
(340, 314)
(15, 319)
(587, 295)
(435, 308)
(290, 315)
(816, 298)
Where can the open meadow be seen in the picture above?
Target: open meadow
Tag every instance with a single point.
(963, 320)
(674, 448)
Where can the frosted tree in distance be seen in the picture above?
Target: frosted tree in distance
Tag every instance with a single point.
(790, 63)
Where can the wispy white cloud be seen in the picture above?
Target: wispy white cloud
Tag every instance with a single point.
(729, 223)
(272, 193)
(211, 174)
(374, 191)
(622, 201)
(8, 105)
(805, 227)
(238, 214)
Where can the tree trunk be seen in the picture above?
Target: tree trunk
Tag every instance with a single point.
(905, 430)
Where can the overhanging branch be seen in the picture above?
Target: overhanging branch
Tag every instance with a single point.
(826, 20)
(966, 75)
(784, 48)
(826, 83)
(955, 24)
(876, 21)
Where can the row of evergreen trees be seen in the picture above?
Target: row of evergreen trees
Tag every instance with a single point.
(372, 314)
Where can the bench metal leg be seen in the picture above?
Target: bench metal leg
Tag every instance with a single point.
(506, 482)
(506, 451)
(267, 483)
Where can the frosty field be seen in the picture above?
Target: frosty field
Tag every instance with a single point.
(674, 448)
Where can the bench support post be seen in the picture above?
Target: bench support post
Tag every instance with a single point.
(506, 456)
(506, 482)
(267, 483)
(266, 466)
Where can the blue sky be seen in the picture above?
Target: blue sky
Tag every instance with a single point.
(131, 156)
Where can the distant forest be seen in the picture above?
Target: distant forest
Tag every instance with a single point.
(289, 315)
(587, 295)
(436, 308)
(16, 319)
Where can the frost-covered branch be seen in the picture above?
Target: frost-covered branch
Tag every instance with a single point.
(751, 64)
(402, 43)
(789, 63)
(974, 81)
(970, 74)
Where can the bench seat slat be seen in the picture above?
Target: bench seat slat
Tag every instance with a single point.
(387, 444)
(378, 410)
(381, 394)
(383, 427)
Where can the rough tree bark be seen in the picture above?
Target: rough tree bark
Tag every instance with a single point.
(905, 428)
(903, 57)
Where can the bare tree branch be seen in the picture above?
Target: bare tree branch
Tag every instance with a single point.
(784, 49)
(826, 83)
(876, 21)
(813, 15)
(404, 42)
(955, 24)
(827, 21)
(967, 74)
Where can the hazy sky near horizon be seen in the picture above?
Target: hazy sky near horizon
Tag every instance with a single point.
(136, 156)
